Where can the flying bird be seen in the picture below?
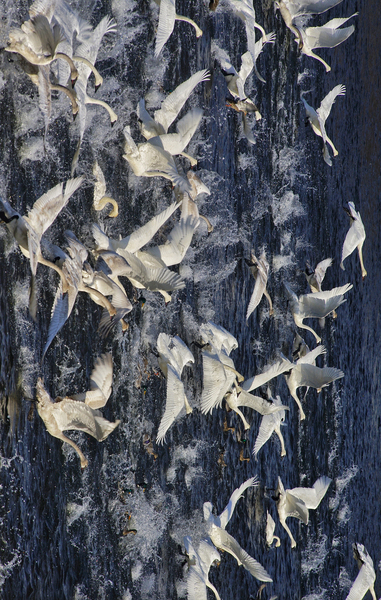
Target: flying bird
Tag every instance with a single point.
(167, 18)
(355, 238)
(317, 119)
(200, 561)
(259, 268)
(366, 577)
(173, 356)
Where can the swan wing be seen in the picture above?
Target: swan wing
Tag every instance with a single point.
(317, 377)
(364, 580)
(311, 356)
(325, 107)
(259, 288)
(171, 106)
(247, 65)
(48, 206)
(90, 46)
(265, 432)
(219, 337)
(276, 369)
(321, 304)
(143, 235)
(312, 496)
(355, 236)
(174, 404)
(226, 515)
(217, 381)
(324, 37)
(321, 268)
(309, 7)
(264, 407)
(179, 240)
(101, 376)
(230, 545)
(60, 314)
(167, 17)
(295, 507)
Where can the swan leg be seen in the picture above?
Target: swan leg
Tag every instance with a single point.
(335, 152)
(295, 396)
(98, 77)
(363, 271)
(192, 160)
(245, 423)
(303, 326)
(84, 461)
(113, 116)
(188, 20)
(107, 200)
(102, 299)
(313, 55)
(280, 436)
(284, 524)
(188, 407)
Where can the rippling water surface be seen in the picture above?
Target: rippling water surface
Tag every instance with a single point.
(63, 531)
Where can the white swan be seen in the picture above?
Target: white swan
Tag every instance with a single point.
(28, 230)
(327, 36)
(305, 373)
(170, 107)
(271, 423)
(173, 356)
(67, 414)
(175, 143)
(148, 160)
(355, 238)
(316, 305)
(296, 502)
(270, 530)
(200, 561)
(315, 278)
(167, 18)
(291, 9)
(259, 268)
(225, 542)
(100, 199)
(219, 373)
(366, 577)
(37, 42)
(317, 119)
(70, 285)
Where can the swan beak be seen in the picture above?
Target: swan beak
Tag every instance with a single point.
(96, 88)
(74, 81)
(74, 116)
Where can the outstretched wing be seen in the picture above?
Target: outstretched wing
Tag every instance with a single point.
(174, 403)
(225, 516)
(166, 24)
(276, 369)
(325, 107)
(229, 544)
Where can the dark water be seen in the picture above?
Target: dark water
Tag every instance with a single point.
(62, 530)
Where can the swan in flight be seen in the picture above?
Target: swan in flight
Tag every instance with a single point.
(270, 530)
(355, 238)
(70, 285)
(259, 268)
(315, 306)
(100, 199)
(224, 541)
(175, 143)
(66, 414)
(317, 119)
(173, 356)
(327, 36)
(37, 42)
(271, 423)
(200, 561)
(296, 502)
(219, 373)
(291, 9)
(236, 83)
(28, 230)
(167, 18)
(305, 373)
(238, 397)
(315, 278)
(149, 160)
(366, 577)
(100, 383)
(170, 107)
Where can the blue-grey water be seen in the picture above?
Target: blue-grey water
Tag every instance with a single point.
(63, 531)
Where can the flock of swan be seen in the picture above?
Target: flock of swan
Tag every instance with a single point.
(55, 33)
